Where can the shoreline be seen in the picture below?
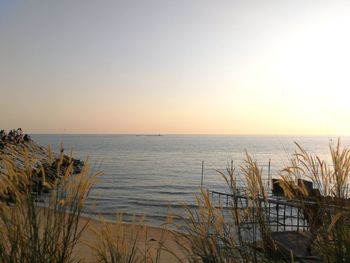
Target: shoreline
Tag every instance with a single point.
(148, 238)
(43, 165)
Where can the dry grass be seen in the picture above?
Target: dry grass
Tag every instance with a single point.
(212, 233)
(127, 243)
(208, 237)
(329, 214)
(113, 244)
(29, 234)
(216, 236)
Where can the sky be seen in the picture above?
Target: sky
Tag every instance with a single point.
(175, 66)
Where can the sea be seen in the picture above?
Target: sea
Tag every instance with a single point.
(154, 176)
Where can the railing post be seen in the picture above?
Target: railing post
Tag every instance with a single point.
(277, 219)
(202, 174)
(291, 217)
(298, 219)
(284, 218)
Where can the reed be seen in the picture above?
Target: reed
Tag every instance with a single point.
(32, 234)
(209, 233)
(114, 245)
(234, 234)
(120, 242)
(329, 213)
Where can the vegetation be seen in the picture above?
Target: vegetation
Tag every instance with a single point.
(210, 233)
(116, 243)
(243, 234)
(233, 234)
(32, 234)
(329, 214)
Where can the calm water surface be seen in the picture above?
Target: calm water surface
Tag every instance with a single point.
(155, 175)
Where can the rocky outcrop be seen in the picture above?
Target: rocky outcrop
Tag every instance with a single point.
(41, 166)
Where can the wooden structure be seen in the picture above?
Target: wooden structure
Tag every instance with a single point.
(285, 218)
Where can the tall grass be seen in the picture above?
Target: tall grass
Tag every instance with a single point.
(32, 234)
(329, 213)
(232, 234)
(115, 244)
(210, 232)
(207, 238)
(244, 234)
(120, 242)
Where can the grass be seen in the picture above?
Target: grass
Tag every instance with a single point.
(243, 234)
(29, 234)
(213, 233)
(329, 214)
(218, 234)
(119, 242)
(115, 245)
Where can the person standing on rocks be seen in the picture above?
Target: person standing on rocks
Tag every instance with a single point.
(26, 138)
(2, 135)
(20, 135)
(10, 136)
(2, 141)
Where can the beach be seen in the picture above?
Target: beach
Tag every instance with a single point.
(148, 240)
(64, 222)
(29, 155)
(174, 131)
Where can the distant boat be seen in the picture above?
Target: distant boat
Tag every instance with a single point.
(149, 134)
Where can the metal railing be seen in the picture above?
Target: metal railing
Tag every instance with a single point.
(279, 213)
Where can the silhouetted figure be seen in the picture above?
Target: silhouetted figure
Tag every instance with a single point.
(2, 136)
(11, 136)
(14, 136)
(26, 138)
(19, 135)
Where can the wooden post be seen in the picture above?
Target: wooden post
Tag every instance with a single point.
(277, 220)
(202, 174)
(284, 218)
(291, 217)
(298, 219)
(269, 215)
(269, 176)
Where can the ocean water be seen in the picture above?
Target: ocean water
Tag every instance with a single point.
(156, 175)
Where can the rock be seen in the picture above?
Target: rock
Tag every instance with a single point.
(44, 173)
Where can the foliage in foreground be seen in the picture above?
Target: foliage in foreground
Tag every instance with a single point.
(218, 234)
(328, 213)
(32, 234)
(242, 233)
(212, 233)
(119, 242)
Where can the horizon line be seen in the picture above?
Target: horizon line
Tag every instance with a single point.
(192, 134)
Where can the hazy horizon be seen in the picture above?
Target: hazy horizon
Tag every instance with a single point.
(200, 134)
(175, 67)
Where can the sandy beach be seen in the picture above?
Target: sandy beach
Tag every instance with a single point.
(148, 240)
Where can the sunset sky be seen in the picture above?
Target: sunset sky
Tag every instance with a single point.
(188, 67)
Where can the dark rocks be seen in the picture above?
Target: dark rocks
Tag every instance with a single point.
(14, 136)
(44, 173)
(44, 178)
(26, 138)
(61, 165)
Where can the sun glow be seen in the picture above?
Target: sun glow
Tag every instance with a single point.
(233, 68)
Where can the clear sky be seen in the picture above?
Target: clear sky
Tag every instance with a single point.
(173, 66)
